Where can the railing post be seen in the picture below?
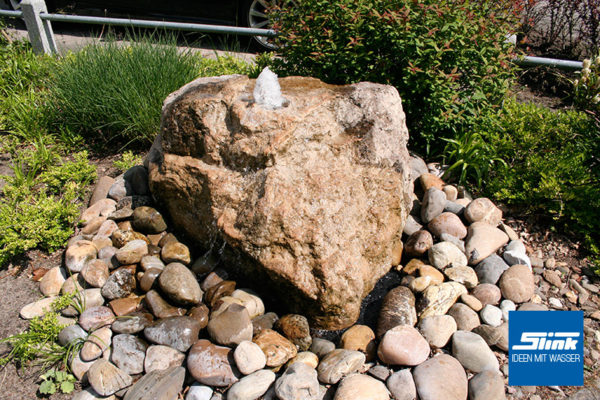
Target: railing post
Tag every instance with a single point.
(40, 32)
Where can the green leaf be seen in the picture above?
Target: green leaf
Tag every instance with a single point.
(47, 387)
(67, 387)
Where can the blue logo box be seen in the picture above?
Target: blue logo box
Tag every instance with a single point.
(545, 348)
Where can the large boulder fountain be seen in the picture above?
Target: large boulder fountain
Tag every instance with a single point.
(310, 198)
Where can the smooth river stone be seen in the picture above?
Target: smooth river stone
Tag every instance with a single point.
(462, 275)
(106, 229)
(101, 189)
(438, 299)
(466, 319)
(487, 385)
(433, 204)
(52, 281)
(37, 308)
(473, 352)
(487, 293)
(403, 345)
(339, 363)
(360, 338)
(449, 223)
(398, 308)
(177, 332)
(149, 279)
(107, 379)
(483, 209)
(418, 243)
(231, 327)
(95, 273)
(88, 298)
(148, 220)
(175, 252)
(128, 353)
(441, 377)
(152, 262)
(180, 284)
(97, 342)
(96, 317)
(125, 305)
(490, 269)
(482, 241)
(296, 329)
(444, 254)
(251, 301)
(132, 323)
(159, 306)
(78, 254)
(159, 357)
(212, 365)
(437, 330)
(218, 291)
(118, 285)
(299, 381)
(249, 357)
(361, 387)
(132, 252)
(158, 385)
(402, 385)
(517, 284)
(277, 348)
(70, 334)
(306, 357)
(200, 313)
(252, 386)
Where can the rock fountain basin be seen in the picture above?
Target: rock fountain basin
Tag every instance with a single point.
(310, 199)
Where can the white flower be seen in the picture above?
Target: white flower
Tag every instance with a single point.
(586, 63)
(585, 72)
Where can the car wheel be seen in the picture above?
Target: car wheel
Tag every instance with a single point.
(15, 4)
(256, 17)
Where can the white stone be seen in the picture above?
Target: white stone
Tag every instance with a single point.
(491, 315)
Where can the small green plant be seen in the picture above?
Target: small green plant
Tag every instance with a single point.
(127, 160)
(471, 157)
(53, 381)
(586, 89)
(449, 59)
(40, 203)
(226, 65)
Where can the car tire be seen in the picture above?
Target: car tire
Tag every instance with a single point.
(253, 15)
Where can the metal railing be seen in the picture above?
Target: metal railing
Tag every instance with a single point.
(39, 28)
(37, 20)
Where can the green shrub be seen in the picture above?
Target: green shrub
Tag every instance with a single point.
(551, 163)
(40, 204)
(448, 59)
(226, 65)
(109, 91)
(127, 160)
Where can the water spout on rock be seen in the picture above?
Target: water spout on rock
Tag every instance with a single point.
(267, 91)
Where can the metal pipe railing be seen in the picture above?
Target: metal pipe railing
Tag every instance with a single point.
(139, 23)
(529, 61)
(11, 14)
